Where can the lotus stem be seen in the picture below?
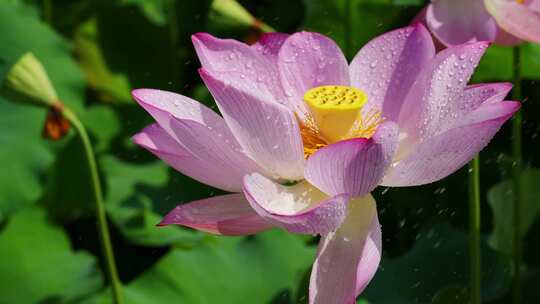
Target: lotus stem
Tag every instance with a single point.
(47, 11)
(347, 28)
(103, 229)
(516, 172)
(172, 21)
(474, 231)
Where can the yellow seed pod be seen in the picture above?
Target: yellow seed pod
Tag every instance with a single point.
(335, 109)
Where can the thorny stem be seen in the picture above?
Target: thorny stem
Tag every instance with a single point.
(516, 172)
(103, 229)
(474, 231)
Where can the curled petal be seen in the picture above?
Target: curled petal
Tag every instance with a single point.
(354, 166)
(520, 20)
(301, 208)
(348, 258)
(387, 66)
(455, 22)
(308, 60)
(267, 131)
(228, 214)
(441, 155)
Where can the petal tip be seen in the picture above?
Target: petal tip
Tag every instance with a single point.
(507, 85)
(207, 76)
(419, 26)
(137, 138)
(514, 105)
(166, 220)
(200, 37)
(144, 137)
(135, 93)
(204, 72)
(141, 94)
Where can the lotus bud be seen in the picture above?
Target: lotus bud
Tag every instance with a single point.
(233, 10)
(27, 82)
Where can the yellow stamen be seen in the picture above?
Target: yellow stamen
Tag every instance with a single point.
(311, 137)
(334, 109)
(366, 126)
(520, 1)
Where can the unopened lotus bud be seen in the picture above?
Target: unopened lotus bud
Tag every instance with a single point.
(28, 82)
(233, 10)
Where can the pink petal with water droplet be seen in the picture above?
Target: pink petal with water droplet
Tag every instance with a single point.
(227, 214)
(221, 175)
(443, 154)
(252, 67)
(300, 208)
(348, 258)
(387, 66)
(431, 105)
(308, 60)
(267, 131)
(201, 135)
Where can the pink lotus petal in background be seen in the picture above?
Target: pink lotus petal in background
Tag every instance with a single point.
(521, 20)
(505, 22)
(456, 22)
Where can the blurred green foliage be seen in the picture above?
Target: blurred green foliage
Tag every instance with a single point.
(96, 51)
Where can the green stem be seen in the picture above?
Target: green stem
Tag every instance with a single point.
(474, 230)
(267, 28)
(173, 37)
(103, 229)
(47, 11)
(516, 172)
(347, 28)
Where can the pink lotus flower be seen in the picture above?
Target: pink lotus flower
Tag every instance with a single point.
(505, 22)
(301, 149)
